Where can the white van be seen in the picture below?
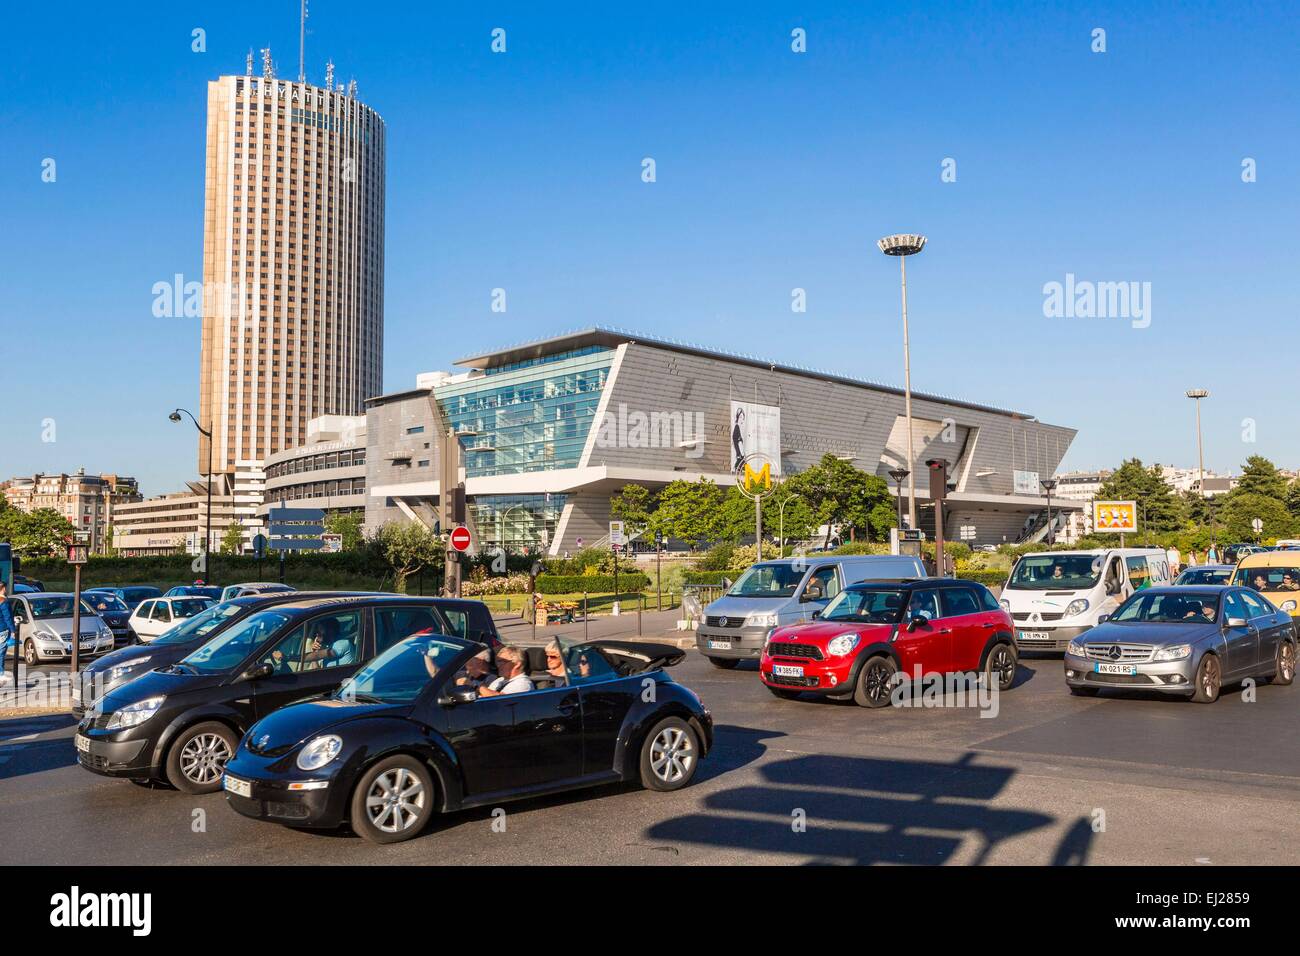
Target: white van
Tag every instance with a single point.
(1054, 596)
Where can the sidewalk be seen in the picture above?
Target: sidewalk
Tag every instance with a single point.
(656, 626)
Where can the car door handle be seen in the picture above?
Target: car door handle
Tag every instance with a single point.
(945, 630)
(988, 625)
(567, 707)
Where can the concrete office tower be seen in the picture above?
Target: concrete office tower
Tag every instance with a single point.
(293, 263)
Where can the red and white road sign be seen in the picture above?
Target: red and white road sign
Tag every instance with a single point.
(460, 538)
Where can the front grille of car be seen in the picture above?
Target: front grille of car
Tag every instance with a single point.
(1044, 616)
(792, 681)
(1128, 653)
(725, 621)
(783, 649)
(1119, 679)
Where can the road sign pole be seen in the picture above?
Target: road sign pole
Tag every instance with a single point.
(76, 620)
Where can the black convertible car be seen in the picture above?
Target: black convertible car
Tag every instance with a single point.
(405, 737)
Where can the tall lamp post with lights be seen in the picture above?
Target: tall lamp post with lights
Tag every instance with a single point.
(1049, 485)
(1196, 394)
(175, 416)
(902, 246)
(898, 474)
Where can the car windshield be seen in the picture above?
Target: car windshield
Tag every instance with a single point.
(188, 607)
(1268, 579)
(44, 608)
(202, 623)
(103, 601)
(229, 648)
(768, 580)
(1205, 576)
(866, 607)
(1169, 608)
(1066, 572)
(399, 674)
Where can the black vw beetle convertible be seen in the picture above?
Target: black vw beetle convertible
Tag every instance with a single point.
(409, 735)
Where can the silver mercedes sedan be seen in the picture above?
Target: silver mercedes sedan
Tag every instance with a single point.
(1187, 640)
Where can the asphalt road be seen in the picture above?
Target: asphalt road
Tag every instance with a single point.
(1050, 779)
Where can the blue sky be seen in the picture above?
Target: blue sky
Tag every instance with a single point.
(775, 171)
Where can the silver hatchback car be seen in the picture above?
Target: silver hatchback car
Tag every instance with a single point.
(1184, 640)
(45, 627)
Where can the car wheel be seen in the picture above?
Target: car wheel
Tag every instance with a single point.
(782, 692)
(875, 682)
(1285, 672)
(1209, 678)
(29, 652)
(726, 663)
(198, 758)
(1084, 691)
(669, 755)
(393, 801)
(1001, 666)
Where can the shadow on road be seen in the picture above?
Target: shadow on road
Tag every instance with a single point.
(867, 810)
(19, 757)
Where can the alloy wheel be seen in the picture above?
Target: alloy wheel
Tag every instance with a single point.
(1286, 666)
(1210, 677)
(29, 653)
(877, 680)
(203, 758)
(1003, 666)
(396, 800)
(672, 754)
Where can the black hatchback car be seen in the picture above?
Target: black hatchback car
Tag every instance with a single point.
(180, 723)
(406, 737)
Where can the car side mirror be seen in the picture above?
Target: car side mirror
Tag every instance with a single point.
(915, 621)
(258, 671)
(458, 695)
(816, 614)
(811, 594)
(1103, 618)
(726, 584)
(1235, 622)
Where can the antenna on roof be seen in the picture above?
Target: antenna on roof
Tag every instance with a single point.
(329, 75)
(268, 71)
(352, 89)
(248, 63)
(302, 42)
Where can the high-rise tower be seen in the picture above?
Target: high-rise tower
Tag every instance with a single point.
(293, 262)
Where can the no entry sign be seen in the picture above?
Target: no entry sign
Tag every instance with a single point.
(460, 538)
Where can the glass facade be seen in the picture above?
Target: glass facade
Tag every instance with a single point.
(533, 418)
(516, 521)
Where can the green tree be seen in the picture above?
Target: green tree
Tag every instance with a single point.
(232, 542)
(1240, 510)
(633, 505)
(690, 511)
(838, 493)
(37, 533)
(1293, 498)
(348, 526)
(408, 547)
(1159, 509)
(1259, 476)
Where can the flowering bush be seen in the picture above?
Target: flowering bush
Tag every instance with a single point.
(501, 584)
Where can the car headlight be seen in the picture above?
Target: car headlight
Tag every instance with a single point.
(320, 752)
(1006, 605)
(1175, 652)
(761, 619)
(1077, 606)
(135, 714)
(49, 634)
(1287, 606)
(121, 670)
(1076, 649)
(842, 644)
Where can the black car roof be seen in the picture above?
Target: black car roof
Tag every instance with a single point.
(908, 584)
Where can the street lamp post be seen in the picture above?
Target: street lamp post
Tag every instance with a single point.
(208, 576)
(1196, 394)
(898, 474)
(902, 246)
(1049, 485)
(780, 529)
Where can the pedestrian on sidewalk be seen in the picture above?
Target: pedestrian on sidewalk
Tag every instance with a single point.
(8, 632)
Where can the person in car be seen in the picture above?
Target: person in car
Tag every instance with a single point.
(555, 661)
(476, 672)
(326, 647)
(1205, 613)
(1259, 582)
(513, 680)
(1289, 582)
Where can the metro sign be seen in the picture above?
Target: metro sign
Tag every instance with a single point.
(460, 538)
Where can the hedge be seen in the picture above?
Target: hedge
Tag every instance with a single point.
(591, 583)
(989, 577)
(710, 577)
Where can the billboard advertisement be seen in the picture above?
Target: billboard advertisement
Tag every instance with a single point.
(756, 430)
(1025, 483)
(1118, 516)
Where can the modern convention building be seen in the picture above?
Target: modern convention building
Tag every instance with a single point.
(552, 428)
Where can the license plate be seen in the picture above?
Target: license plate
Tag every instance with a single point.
(1034, 635)
(83, 744)
(236, 786)
(1128, 669)
(787, 670)
(719, 645)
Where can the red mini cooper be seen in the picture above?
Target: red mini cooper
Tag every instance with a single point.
(872, 631)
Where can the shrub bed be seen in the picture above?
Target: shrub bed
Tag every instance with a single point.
(591, 583)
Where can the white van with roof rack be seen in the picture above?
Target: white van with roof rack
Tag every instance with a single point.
(1054, 596)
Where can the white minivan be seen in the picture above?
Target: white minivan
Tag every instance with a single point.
(1054, 596)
